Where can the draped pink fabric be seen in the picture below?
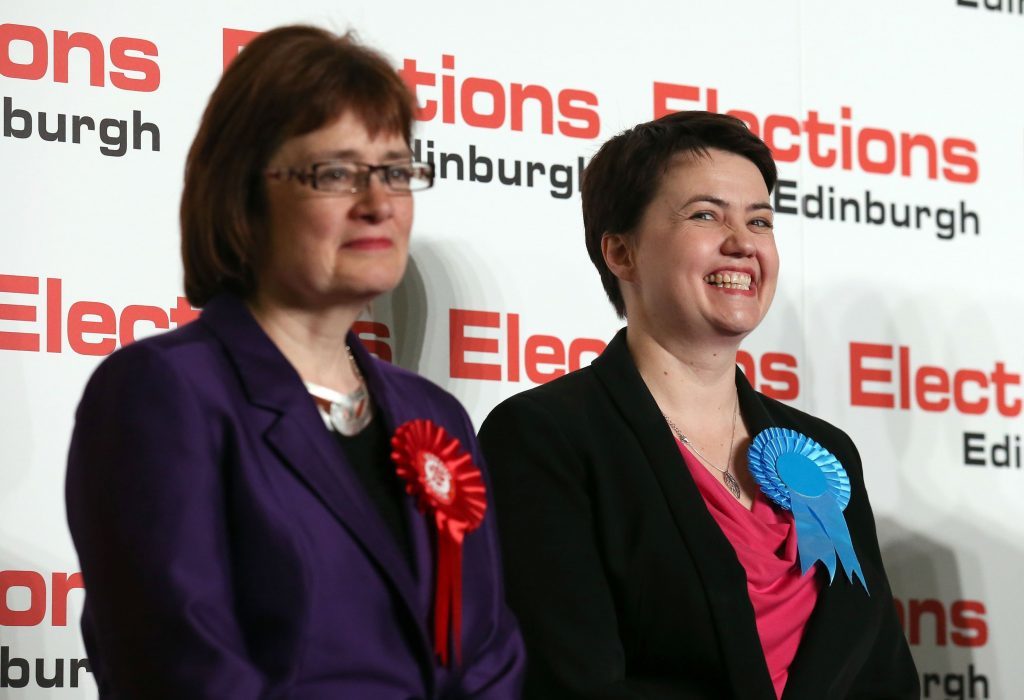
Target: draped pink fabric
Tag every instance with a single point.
(765, 542)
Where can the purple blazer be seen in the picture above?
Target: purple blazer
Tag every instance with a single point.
(228, 550)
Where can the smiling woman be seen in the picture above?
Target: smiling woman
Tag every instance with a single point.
(662, 522)
(709, 222)
(262, 508)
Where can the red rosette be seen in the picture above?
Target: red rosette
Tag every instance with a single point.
(444, 480)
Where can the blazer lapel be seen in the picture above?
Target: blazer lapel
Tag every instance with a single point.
(721, 573)
(298, 437)
(823, 656)
(395, 408)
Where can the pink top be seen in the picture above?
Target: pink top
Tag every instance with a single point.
(765, 542)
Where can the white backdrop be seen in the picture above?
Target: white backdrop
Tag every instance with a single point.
(904, 335)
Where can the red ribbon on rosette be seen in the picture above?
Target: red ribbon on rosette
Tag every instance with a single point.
(444, 480)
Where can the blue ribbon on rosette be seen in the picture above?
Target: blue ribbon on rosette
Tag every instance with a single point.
(800, 475)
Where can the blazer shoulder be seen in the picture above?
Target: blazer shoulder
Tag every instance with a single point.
(415, 387)
(829, 435)
(185, 354)
(570, 391)
(411, 395)
(166, 345)
(790, 417)
(569, 405)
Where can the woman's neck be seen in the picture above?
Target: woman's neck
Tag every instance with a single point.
(312, 340)
(690, 381)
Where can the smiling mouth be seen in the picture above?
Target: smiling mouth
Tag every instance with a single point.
(729, 280)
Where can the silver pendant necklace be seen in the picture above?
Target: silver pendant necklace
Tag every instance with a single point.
(727, 477)
(347, 413)
(352, 412)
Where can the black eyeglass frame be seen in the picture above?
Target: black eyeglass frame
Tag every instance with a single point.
(365, 171)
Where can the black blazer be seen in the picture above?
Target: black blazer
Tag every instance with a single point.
(623, 583)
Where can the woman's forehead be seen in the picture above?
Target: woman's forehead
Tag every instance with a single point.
(715, 173)
(347, 137)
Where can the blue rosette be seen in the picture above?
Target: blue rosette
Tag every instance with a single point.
(800, 475)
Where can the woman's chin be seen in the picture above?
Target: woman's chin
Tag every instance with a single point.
(366, 286)
(736, 327)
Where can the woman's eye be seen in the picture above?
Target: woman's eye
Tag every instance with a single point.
(337, 174)
(704, 216)
(762, 223)
(399, 174)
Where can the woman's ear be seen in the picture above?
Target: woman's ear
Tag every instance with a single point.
(618, 252)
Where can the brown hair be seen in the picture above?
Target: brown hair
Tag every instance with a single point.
(286, 82)
(622, 178)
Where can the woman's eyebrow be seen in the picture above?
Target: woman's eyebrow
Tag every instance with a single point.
(356, 155)
(718, 201)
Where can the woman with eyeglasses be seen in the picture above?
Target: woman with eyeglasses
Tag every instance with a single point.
(261, 508)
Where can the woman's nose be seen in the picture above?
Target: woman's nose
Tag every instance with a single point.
(739, 240)
(374, 201)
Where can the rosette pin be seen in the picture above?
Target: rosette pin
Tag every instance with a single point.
(445, 482)
(800, 475)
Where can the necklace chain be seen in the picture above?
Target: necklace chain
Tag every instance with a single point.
(352, 363)
(352, 412)
(730, 481)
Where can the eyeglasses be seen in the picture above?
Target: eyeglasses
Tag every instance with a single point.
(350, 177)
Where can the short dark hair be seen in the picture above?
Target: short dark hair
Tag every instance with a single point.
(286, 82)
(622, 178)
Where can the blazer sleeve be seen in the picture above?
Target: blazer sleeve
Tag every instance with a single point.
(146, 507)
(556, 584)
